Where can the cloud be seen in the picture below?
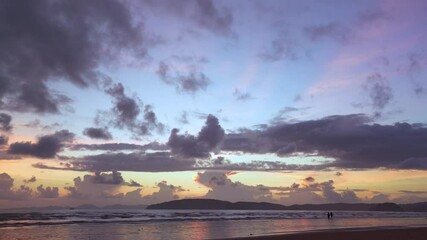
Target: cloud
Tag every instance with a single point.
(221, 187)
(102, 188)
(61, 40)
(190, 82)
(6, 191)
(379, 91)
(136, 161)
(242, 96)
(308, 191)
(220, 163)
(48, 192)
(3, 140)
(98, 133)
(282, 47)
(332, 30)
(330, 195)
(414, 69)
(348, 139)
(37, 124)
(371, 16)
(413, 163)
(379, 198)
(5, 120)
(132, 183)
(106, 193)
(205, 15)
(183, 119)
(309, 179)
(118, 147)
(126, 112)
(46, 147)
(114, 178)
(285, 114)
(30, 180)
(208, 139)
(167, 192)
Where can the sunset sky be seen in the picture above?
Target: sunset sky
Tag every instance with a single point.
(137, 102)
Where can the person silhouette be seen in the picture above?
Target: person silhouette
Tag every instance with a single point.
(329, 216)
(332, 215)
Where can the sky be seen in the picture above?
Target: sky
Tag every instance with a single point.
(138, 102)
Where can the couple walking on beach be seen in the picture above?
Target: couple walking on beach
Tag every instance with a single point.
(330, 215)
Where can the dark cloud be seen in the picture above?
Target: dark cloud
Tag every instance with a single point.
(5, 120)
(119, 147)
(350, 140)
(413, 163)
(309, 179)
(106, 178)
(7, 192)
(3, 140)
(242, 96)
(61, 40)
(140, 162)
(46, 147)
(189, 82)
(98, 133)
(126, 108)
(30, 180)
(412, 192)
(48, 192)
(332, 30)
(73, 192)
(207, 15)
(126, 112)
(132, 183)
(101, 188)
(217, 20)
(200, 146)
(379, 91)
(220, 163)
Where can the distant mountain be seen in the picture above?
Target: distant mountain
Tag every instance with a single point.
(332, 207)
(119, 206)
(87, 206)
(415, 207)
(210, 204)
(386, 207)
(215, 204)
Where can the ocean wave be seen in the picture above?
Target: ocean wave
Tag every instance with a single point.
(134, 216)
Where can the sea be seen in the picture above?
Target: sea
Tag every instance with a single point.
(132, 224)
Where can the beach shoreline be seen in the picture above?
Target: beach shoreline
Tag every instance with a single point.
(389, 233)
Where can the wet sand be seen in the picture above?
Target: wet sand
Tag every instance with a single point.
(350, 234)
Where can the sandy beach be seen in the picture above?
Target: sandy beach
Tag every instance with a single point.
(350, 234)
